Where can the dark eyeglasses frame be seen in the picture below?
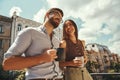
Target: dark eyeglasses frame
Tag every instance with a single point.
(56, 13)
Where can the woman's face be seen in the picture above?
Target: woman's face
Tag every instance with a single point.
(69, 28)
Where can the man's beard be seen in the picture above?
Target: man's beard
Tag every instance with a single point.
(55, 25)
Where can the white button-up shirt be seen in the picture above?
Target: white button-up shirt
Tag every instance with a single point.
(33, 41)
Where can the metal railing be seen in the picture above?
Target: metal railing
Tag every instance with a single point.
(105, 73)
(105, 76)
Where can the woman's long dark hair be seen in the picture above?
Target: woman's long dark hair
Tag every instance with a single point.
(65, 35)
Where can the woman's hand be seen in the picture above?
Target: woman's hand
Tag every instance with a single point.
(75, 63)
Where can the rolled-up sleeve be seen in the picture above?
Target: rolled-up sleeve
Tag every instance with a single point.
(21, 43)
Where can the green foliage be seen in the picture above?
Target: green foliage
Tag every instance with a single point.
(92, 66)
(117, 67)
(12, 75)
(114, 68)
(4, 75)
(112, 65)
(89, 67)
(20, 74)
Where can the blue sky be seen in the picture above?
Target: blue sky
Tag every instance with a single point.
(98, 20)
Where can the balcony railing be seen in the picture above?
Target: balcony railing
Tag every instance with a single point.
(105, 76)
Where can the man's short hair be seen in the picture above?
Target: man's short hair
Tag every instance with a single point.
(52, 9)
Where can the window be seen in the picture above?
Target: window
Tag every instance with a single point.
(93, 45)
(26, 26)
(1, 29)
(19, 27)
(105, 59)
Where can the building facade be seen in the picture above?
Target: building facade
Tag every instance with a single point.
(101, 56)
(9, 28)
(5, 34)
(20, 23)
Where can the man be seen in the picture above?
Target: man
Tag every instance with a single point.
(37, 44)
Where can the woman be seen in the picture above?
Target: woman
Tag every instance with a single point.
(73, 47)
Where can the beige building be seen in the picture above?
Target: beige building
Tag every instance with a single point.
(5, 34)
(100, 55)
(9, 28)
(20, 23)
(115, 58)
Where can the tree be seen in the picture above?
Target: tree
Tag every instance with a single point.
(12, 75)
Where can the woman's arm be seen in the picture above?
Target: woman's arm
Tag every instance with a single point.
(64, 63)
(85, 56)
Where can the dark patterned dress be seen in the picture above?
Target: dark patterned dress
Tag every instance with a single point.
(75, 73)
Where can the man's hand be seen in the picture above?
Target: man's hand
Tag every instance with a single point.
(49, 55)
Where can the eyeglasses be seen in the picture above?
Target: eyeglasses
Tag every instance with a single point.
(57, 14)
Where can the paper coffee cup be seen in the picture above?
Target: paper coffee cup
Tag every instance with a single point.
(81, 58)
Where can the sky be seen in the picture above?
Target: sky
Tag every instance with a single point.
(98, 21)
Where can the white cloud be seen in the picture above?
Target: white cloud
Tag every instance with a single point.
(105, 31)
(115, 38)
(94, 13)
(52, 3)
(15, 9)
(115, 48)
(83, 34)
(102, 4)
(39, 16)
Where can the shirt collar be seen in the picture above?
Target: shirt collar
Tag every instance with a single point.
(44, 29)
